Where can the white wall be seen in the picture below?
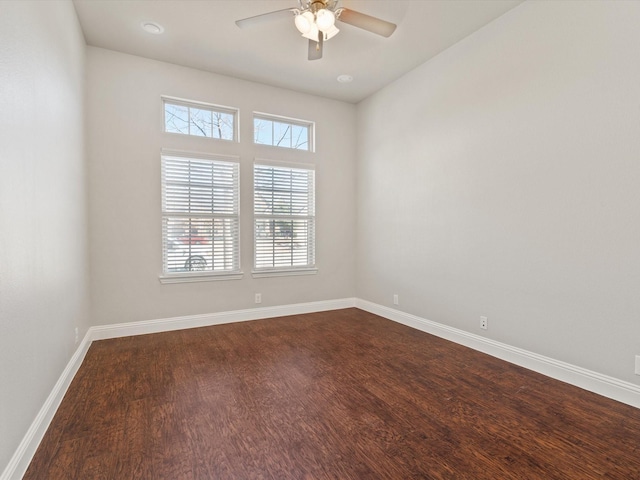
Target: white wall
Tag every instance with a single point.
(43, 240)
(124, 142)
(502, 178)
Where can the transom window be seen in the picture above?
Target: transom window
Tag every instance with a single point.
(282, 132)
(284, 218)
(200, 215)
(199, 119)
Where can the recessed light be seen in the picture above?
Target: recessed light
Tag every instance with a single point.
(151, 27)
(345, 78)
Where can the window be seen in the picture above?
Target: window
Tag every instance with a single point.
(200, 221)
(282, 132)
(199, 119)
(284, 219)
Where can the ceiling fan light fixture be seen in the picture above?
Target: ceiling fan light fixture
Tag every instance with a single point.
(325, 19)
(312, 34)
(329, 34)
(304, 22)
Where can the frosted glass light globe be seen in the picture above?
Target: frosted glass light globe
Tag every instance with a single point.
(304, 21)
(312, 34)
(325, 19)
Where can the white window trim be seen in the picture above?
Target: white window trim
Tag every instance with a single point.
(203, 105)
(191, 277)
(199, 277)
(289, 271)
(285, 164)
(283, 272)
(293, 121)
(194, 154)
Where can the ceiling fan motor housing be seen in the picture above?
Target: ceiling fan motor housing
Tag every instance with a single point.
(315, 5)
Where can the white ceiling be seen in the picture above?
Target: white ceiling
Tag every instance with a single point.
(203, 35)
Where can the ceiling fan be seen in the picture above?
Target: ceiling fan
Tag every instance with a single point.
(316, 20)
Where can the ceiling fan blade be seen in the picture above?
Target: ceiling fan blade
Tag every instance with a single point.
(315, 48)
(367, 22)
(265, 17)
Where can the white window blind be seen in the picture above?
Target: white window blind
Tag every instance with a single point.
(200, 215)
(284, 217)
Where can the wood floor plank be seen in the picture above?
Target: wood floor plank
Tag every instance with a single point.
(335, 395)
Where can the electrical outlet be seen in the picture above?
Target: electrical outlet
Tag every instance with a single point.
(258, 298)
(484, 323)
(396, 300)
(637, 364)
(77, 335)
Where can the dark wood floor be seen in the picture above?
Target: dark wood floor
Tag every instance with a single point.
(340, 395)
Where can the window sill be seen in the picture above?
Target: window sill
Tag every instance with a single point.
(199, 277)
(283, 272)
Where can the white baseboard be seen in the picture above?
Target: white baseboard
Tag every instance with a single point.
(206, 320)
(26, 450)
(604, 385)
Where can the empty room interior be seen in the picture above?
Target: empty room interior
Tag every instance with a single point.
(348, 239)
